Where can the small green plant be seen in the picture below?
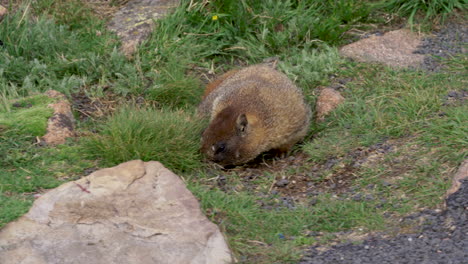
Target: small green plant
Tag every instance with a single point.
(171, 137)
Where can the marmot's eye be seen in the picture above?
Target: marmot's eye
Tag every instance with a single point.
(218, 147)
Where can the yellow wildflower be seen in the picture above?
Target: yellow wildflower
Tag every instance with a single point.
(215, 17)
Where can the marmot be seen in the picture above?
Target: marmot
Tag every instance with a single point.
(252, 110)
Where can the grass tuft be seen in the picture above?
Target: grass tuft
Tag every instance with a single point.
(28, 115)
(429, 9)
(171, 137)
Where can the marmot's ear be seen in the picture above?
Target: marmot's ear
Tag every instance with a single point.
(241, 122)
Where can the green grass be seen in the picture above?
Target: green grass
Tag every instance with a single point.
(39, 53)
(12, 207)
(190, 42)
(385, 103)
(410, 110)
(281, 229)
(171, 137)
(62, 45)
(28, 115)
(427, 9)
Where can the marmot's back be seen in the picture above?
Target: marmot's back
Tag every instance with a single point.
(252, 110)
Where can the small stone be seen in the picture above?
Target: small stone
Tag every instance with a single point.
(327, 101)
(453, 94)
(221, 180)
(357, 197)
(313, 201)
(282, 183)
(386, 184)
(330, 163)
(312, 233)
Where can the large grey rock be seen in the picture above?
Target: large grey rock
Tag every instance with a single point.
(137, 212)
(134, 21)
(395, 48)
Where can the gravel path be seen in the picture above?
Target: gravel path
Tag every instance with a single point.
(443, 239)
(452, 39)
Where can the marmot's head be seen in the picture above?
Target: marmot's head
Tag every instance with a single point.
(231, 138)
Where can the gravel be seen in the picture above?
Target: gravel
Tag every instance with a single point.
(448, 41)
(443, 239)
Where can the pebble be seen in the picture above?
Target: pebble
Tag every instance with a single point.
(357, 197)
(386, 184)
(313, 201)
(282, 183)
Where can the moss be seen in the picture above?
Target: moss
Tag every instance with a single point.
(28, 115)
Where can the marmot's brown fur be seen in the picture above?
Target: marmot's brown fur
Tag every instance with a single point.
(252, 110)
